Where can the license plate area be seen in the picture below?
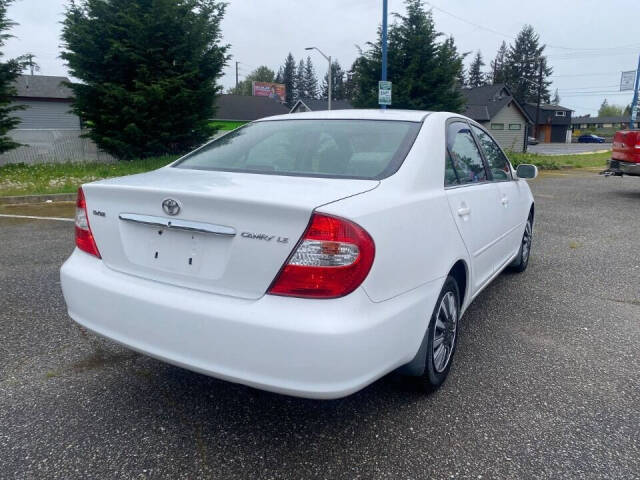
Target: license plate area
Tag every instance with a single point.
(174, 252)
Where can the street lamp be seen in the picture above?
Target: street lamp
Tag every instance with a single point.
(328, 58)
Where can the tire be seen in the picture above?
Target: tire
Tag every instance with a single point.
(443, 328)
(521, 262)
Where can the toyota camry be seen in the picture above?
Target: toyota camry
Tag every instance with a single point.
(306, 254)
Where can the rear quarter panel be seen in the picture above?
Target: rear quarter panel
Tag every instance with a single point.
(409, 219)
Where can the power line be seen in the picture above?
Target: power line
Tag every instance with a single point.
(511, 37)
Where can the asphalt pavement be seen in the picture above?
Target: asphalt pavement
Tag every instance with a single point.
(545, 382)
(568, 148)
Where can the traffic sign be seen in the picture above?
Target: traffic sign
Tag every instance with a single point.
(627, 80)
(384, 93)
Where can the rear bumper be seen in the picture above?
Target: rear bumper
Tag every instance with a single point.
(627, 168)
(301, 347)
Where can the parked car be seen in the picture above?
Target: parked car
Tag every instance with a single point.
(625, 156)
(306, 254)
(590, 138)
(532, 141)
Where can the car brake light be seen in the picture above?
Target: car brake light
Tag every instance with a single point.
(331, 260)
(84, 237)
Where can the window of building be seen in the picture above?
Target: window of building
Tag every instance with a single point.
(515, 126)
(497, 126)
(561, 113)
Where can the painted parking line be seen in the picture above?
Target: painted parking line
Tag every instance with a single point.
(58, 219)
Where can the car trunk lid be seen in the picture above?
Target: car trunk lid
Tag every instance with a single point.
(626, 146)
(231, 235)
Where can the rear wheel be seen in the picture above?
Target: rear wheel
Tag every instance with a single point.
(522, 260)
(442, 337)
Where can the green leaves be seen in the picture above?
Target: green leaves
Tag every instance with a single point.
(148, 71)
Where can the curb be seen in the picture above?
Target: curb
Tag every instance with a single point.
(24, 199)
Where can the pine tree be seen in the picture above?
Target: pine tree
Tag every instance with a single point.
(310, 80)
(556, 98)
(260, 74)
(9, 71)
(148, 72)
(289, 79)
(523, 62)
(279, 76)
(498, 74)
(337, 83)
(301, 86)
(476, 77)
(424, 71)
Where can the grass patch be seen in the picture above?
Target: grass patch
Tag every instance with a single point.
(220, 125)
(556, 162)
(45, 178)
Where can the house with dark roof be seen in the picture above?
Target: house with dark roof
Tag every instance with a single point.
(495, 108)
(246, 108)
(554, 122)
(317, 105)
(48, 103)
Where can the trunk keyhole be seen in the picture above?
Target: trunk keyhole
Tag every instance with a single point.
(156, 255)
(190, 261)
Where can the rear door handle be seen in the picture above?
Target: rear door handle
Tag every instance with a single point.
(463, 211)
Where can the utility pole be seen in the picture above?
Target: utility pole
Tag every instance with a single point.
(634, 103)
(237, 74)
(384, 43)
(538, 102)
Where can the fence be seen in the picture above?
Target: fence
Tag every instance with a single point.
(53, 146)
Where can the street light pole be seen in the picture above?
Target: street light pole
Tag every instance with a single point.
(329, 75)
(384, 43)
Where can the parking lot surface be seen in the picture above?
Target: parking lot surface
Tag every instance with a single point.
(568, 148)
(545, 383)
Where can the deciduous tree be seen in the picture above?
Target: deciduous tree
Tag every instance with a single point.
(260, 74)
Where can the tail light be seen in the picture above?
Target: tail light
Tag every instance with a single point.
(84, 237)
(331, 260)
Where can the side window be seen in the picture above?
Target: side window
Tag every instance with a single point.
(498, 163)
(463, 156)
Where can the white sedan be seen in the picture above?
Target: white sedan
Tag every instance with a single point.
(306, 254)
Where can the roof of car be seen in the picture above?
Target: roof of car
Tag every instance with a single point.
(356, 114)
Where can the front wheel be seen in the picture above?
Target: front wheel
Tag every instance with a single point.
(442, 338)
(522, 260)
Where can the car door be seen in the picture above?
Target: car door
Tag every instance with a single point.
(473, 200)
(511, 194)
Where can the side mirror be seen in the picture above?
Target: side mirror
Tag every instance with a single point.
(526, 170)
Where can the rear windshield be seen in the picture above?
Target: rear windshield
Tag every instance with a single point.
(366, 149)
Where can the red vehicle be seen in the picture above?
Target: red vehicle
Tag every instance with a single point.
(625, 158)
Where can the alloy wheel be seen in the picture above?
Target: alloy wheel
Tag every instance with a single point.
(444, 332)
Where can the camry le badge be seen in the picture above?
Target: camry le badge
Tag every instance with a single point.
(171, 206)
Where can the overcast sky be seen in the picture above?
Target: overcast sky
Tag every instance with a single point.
(583, 36)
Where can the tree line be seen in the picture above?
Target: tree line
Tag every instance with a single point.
(148, 71)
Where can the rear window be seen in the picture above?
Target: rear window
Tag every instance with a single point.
(364, 149)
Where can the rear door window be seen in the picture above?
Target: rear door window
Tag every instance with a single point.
(463, 157)
(496, 160)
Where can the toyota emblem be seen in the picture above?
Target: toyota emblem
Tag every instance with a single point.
(171, 206)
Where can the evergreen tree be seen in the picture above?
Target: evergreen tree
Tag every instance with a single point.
(310, 80)
(301, 86)
(424, 71)
(462, 79)
(289, 79)
(337, 82)
(476, 77)
(523, 62)
(498, 74)
(9, 71)
(148, 72)
(556, 98)
(260, 74)
(29, 63)
(279, 76)
(351, 83)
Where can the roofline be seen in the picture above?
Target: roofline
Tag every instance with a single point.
(296, 104)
